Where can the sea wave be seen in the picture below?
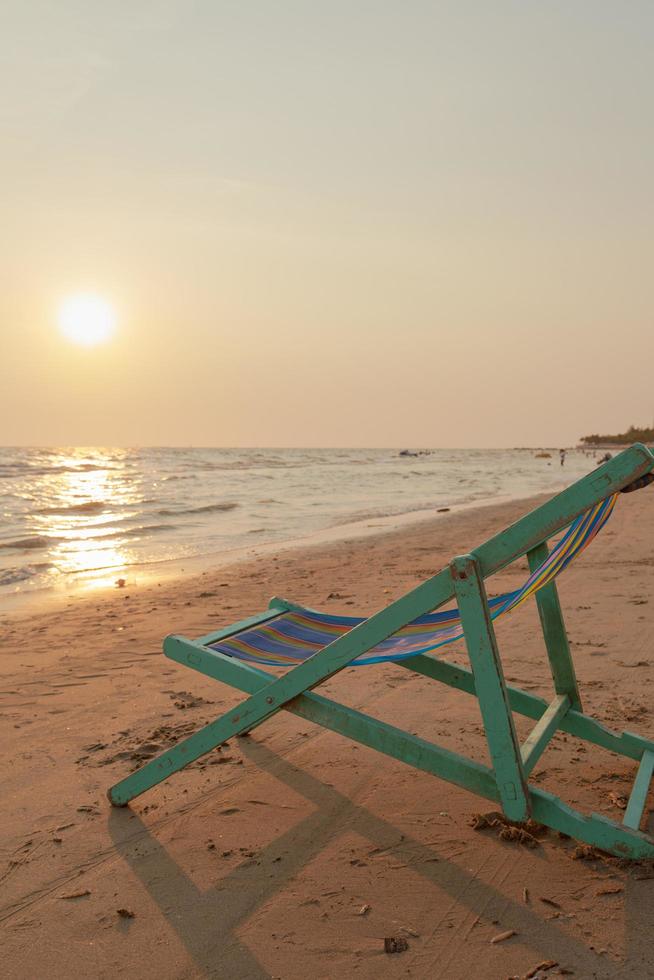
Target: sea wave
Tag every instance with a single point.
(88, 507)
(17, 470)
(135, 532)
(259, 461)
(206, 509)
(33, 542)
(41, 541)
(11, 576)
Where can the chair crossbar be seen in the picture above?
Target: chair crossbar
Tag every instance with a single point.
(538, 740)
(532, 706)
(634, 812)
(554, 634)
(245, 624)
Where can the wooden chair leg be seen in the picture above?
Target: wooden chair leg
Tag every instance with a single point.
(556, 638)
(490, 687)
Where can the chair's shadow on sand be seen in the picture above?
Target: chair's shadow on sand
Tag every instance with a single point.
(207, 922)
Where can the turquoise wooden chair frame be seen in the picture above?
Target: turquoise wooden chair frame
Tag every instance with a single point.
(506, 781)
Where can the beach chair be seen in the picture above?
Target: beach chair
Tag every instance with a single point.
(409, 632)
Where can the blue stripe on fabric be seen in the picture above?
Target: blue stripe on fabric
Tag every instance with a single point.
(280, 638)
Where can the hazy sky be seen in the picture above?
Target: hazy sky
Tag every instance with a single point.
(326, 222)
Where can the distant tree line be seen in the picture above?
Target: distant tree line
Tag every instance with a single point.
(632, 434)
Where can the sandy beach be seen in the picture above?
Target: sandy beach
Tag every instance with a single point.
(294, 852)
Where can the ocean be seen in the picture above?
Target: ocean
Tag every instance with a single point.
(74, 519)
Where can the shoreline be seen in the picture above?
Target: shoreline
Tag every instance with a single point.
(145, 575)
(109, 514)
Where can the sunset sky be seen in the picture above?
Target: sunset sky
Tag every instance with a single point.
(326, 223)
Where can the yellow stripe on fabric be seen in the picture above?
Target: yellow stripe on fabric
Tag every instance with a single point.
(578, 541)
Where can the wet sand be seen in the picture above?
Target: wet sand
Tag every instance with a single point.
(293, 853)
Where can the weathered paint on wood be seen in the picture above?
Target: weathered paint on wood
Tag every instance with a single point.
(554, 634)
(638, 798)
(245, 624)
(490, 687)
(539, 737)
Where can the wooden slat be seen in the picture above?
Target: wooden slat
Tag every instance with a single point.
(574, 723)
(244, 624)
(490, 687)
(554, 633)
(636, 804)
(595, 830)
(536, 742)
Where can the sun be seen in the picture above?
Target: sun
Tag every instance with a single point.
(86, 319)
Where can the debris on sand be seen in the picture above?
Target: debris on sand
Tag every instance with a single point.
(584, 852)
(146, 750)
(95, 747)
(503, 936)
(129, 746)
(184, 699)
(80, 894)
(395, 944)
(519, 833)
(125, 913)
(549, 901)
(618, 799)
(480, 821)
(540, 969)
(610, 890)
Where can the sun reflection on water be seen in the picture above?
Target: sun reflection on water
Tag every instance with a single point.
(87, 494)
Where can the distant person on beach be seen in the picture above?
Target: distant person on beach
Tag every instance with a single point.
(562, 456)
